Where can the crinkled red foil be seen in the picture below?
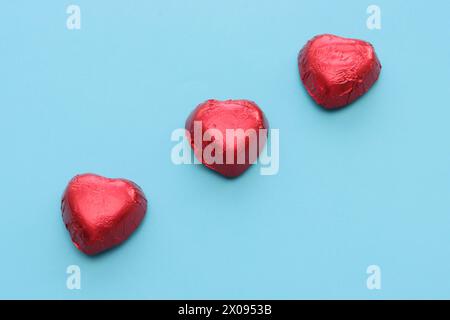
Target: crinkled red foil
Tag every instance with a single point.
(101, 213)
(223, 115)
(336, 71)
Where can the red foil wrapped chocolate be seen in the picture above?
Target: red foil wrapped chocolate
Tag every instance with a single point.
(101, 213)
(233, 155)
(336, 71)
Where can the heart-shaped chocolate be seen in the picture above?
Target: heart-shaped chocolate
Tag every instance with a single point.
(227, 136)
(101, 213)
(336, 71)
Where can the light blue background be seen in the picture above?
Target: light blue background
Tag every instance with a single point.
(366, 185)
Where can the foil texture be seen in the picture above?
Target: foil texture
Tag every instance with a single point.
(100, 213)
(223, 115)
(336, 71)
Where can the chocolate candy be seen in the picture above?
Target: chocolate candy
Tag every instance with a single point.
(227, 136)
(101, 213)
(336, 71)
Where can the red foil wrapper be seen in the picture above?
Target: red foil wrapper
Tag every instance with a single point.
(336, 71)
(101, 213)
(233, 155)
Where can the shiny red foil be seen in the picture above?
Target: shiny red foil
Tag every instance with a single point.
(336, 71)
(223, 115)
(101, 213)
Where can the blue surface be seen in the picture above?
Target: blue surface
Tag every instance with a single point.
(366, 185)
